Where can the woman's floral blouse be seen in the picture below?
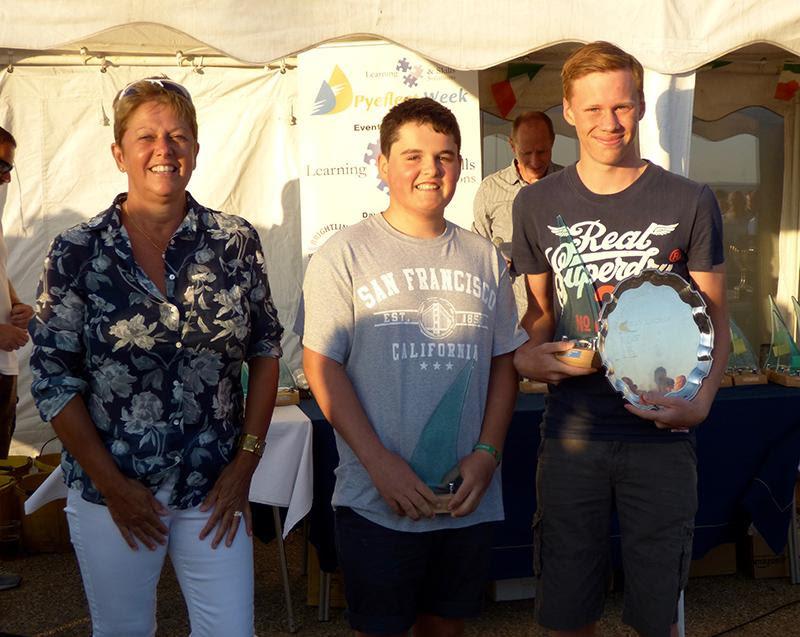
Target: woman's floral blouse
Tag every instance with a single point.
(159, 374)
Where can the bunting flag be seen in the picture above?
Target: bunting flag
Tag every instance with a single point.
(505, 93)
(788, 82)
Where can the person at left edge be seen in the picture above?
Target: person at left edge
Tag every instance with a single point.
(145, 314)
(15, 316)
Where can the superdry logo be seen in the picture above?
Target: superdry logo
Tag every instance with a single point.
(609, 256)
(676, 255)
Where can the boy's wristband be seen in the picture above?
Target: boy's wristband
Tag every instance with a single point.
(483, 446)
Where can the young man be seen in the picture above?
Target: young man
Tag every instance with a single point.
(599, 453)
(410, 329)
(531, 140)
(14, 317)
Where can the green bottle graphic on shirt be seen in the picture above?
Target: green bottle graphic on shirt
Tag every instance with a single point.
(435, 458)
(580, 311)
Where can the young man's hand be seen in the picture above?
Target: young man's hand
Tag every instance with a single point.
(673, 412)
(539, 363)
(401, 488)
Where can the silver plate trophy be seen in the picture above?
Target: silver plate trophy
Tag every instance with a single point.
(655, 335)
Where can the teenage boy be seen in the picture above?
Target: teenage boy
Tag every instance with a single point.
(410, 329)
(599, 453)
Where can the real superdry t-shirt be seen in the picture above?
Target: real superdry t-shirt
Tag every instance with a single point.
(661, 221)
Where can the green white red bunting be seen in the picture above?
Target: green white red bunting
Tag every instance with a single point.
(788, 82)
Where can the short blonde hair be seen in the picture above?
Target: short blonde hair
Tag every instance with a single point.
(599, 57)
(150, 90)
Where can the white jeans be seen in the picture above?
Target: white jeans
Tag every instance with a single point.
(120, 583)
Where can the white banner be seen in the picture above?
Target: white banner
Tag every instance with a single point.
(344, 90)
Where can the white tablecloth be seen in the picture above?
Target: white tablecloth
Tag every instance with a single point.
(284, 477)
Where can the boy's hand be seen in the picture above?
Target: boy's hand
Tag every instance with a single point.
(476, 470)
(401, 488)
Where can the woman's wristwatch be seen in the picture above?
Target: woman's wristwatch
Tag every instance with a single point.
(252, 444)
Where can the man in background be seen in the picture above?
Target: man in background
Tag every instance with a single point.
(532, 138)
(14, 317)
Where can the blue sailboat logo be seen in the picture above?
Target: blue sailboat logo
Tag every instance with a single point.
(436, 455)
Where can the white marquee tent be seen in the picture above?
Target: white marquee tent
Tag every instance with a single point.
(62, 61)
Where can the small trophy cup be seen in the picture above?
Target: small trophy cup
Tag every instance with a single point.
(579, 306)
(742, 364)
(783, 361)
(435, 458)
(288, 393)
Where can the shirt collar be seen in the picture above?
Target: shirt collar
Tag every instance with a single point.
(513, 177)
(110, 219)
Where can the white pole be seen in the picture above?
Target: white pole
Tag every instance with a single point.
(665, 132)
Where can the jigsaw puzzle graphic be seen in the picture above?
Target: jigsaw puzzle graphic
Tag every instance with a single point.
(412, 75)
(371, 159)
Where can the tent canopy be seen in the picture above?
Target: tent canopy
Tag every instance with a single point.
(669, 36)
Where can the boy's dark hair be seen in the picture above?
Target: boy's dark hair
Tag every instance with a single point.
(7, 138)
(420, 110)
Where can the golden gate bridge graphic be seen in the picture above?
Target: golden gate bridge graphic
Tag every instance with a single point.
(437, 318)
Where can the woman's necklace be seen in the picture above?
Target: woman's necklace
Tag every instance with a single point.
(142, 230)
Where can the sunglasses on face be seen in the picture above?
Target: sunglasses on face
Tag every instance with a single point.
(167, 85)
(5, 167)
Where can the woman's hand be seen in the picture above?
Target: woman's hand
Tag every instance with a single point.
(136, 512)
(229, 499)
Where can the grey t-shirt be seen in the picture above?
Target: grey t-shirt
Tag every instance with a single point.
(415, 322)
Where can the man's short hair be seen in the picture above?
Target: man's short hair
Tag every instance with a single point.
(599, 57)
(530, 117)
(420, 110)
(7, 138)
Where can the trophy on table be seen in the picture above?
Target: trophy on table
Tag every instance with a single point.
(579, 306)
(742, 364)
(288, 393)
(796, 306)
(435, 458)
(783, 361)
